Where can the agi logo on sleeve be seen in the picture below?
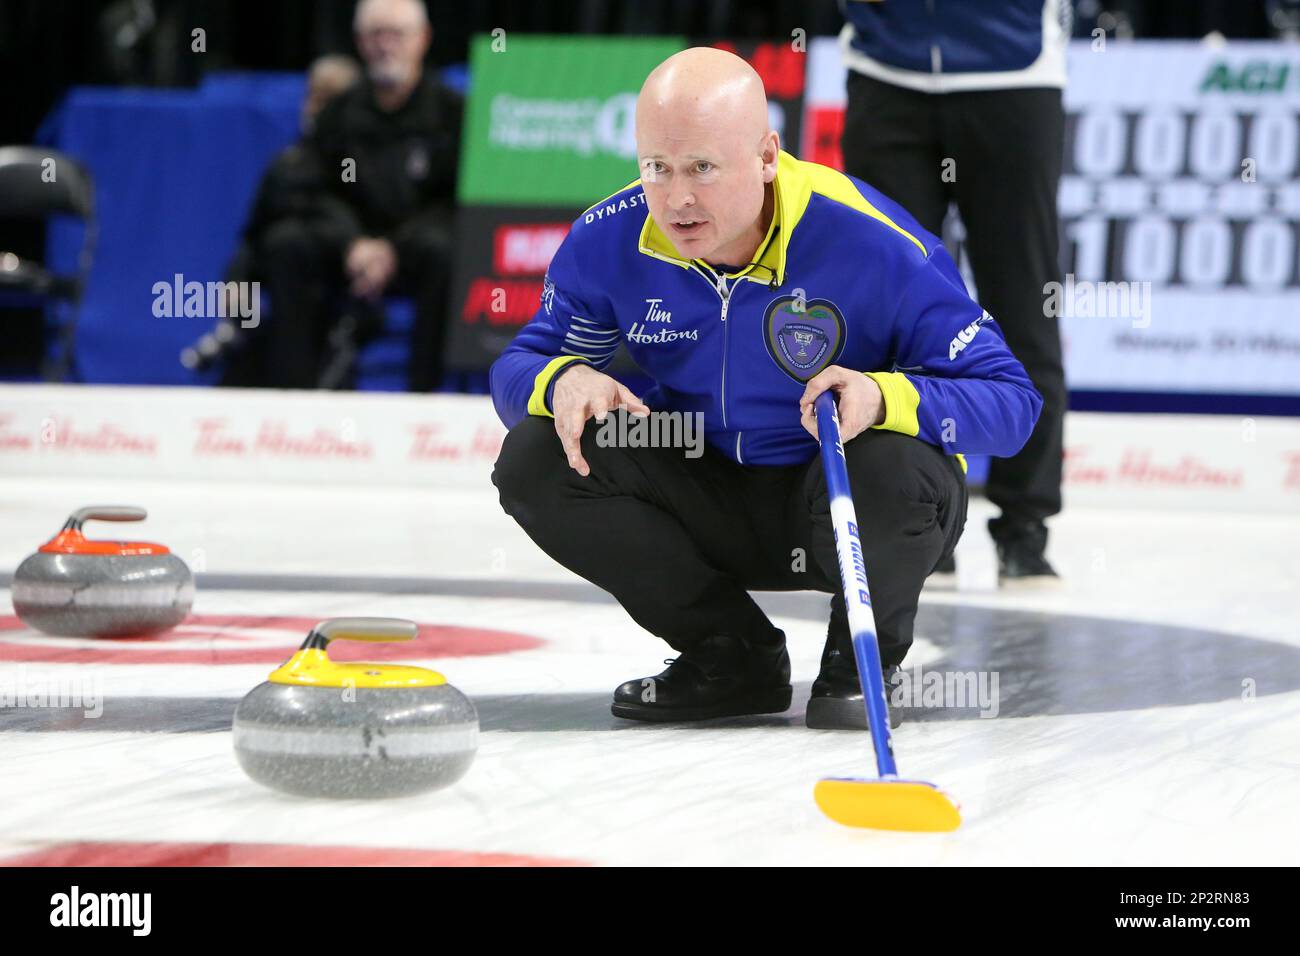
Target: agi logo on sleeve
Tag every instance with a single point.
(962, 338)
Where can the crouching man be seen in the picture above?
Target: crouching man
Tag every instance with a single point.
(744, 283)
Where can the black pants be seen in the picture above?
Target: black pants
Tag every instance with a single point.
(680, 541)
(1007, 147)
(303, 266)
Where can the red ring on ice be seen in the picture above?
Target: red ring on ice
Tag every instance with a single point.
(93, 853)
(247, 639)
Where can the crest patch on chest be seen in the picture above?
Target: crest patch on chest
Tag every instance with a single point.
(803, 336)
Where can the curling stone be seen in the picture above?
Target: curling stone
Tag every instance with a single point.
(77, 587)
(317, 728)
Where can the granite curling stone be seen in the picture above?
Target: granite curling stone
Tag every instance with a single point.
(318, 728)
(77, 587)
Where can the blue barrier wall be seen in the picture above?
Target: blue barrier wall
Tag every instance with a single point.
(175, 174)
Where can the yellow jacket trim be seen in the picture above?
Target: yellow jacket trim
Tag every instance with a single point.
(537, 401)
(835, 185)
(795, 183)
(901, 402)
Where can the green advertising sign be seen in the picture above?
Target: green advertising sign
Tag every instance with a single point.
(550, 119)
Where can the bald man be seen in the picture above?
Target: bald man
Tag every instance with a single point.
(389, 146)
(744, 283)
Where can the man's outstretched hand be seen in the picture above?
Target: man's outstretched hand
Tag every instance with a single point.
(582, 393)
(858, 398)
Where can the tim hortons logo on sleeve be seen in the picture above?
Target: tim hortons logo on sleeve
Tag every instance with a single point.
(548, 293)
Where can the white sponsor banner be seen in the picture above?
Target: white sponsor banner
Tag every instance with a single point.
(1210, 462)
(451, 441)
(248, 435)
(1182, 183)
(1241, 345)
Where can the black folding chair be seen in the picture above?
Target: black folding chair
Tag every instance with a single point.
(35, 184)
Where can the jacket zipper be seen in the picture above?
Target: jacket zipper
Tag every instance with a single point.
(720, 286)
(725, 293)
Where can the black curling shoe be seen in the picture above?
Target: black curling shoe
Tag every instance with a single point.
(721, 677)
(836, 702)
(1022, 561)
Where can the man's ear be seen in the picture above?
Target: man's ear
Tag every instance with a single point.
(770, 152)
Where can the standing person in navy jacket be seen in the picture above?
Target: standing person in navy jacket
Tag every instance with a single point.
(960, 100)
(745, 283)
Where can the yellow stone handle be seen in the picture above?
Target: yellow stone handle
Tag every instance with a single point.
(312, 665)
(360, 629)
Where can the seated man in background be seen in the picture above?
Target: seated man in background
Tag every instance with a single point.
(388, 148)
(291, 189)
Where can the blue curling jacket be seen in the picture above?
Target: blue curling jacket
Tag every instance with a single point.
(946, 46)
(845, 277)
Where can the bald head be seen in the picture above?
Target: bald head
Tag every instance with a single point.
(704, 86)
(392, 37)
(410, 12)
(707, 154)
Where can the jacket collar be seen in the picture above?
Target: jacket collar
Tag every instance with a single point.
(791, 189)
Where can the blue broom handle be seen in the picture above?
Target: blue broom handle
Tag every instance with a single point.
(853, 577)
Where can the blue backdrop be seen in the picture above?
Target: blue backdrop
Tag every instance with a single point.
(175, 173)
